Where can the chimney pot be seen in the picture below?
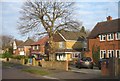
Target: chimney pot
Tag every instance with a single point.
(109, 18)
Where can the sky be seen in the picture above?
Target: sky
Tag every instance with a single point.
(89, 12)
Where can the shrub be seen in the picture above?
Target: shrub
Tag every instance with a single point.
(96, 54)
(7, 55)
(19, 57)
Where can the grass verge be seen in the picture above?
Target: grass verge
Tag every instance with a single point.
(36, 71)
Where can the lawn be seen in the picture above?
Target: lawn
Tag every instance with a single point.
(36, 71)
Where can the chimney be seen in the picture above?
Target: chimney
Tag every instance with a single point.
(109, 18)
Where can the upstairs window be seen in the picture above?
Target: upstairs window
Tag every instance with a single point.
(35, 47)
(61, 45)
(110, 37)
(102, 37)
(117, 35)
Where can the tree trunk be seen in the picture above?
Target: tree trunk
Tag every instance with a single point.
(51, 49)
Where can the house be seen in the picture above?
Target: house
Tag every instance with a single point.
(38, 48)
(104, 39)
(24, 48)
(69, 44)
(15, 46)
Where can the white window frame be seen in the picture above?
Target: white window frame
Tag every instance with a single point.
(110, 34)
(33, 47)
(102, 37)
(117, 54)
(102, 54)
(37, 47)
(61, 45)
(19, 49)
(109, 52)
(117, 36)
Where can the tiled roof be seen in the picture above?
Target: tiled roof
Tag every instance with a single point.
(18, 42)
(69, 35)
(105, 27)
(41, 41)
(28, 42)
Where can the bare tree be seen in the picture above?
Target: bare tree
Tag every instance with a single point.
(52, 16)
(6, 41)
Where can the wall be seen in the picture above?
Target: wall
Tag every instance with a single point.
(104, 45)
(69, 44)
(11, 60)
(26, 49)
(15, 61)
(73, 44)
(55, 65)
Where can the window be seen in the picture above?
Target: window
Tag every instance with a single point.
(61, 44)
(37, 47)
(102, 53)
(20, 49)
(75, 55)
(117, 35)
(118, 53)
(110, 37)
(33, 47)
(102, 37)
(110, 53)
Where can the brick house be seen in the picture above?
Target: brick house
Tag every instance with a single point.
(24, 48)
(105, 36)
(38, 48)
(69, 44)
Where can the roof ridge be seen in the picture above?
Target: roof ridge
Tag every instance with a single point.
(109, 21)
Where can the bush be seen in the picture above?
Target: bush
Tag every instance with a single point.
(7, 55)
(19, 57)
(96, 54)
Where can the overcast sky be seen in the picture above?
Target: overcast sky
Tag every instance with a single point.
(87, 11)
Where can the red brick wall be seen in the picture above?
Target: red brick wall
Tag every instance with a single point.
(40, 50)
(104, 45)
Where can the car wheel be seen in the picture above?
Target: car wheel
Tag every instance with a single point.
(79, 67)
(91, 68)
(99, 68)
(76, 66)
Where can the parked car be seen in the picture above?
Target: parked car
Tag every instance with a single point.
(84, 62)
(102, 60)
